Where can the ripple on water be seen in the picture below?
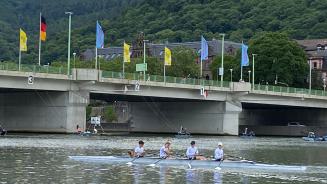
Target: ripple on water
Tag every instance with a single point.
(42, 158)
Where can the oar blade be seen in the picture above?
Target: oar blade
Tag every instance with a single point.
(152, 165)
(129, 163)
(217, 168)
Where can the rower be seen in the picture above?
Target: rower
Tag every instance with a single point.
(192, 153)
(219, 152)
(138, 151)
(165, 151)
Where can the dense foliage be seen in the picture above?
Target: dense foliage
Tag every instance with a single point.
(172, 20)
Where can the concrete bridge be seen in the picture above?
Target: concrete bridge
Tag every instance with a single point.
(56, 102)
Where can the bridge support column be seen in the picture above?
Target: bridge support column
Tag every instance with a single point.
(208, 117)
(43, 111)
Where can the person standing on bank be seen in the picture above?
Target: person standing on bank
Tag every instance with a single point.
(192, 153)
(219, 153)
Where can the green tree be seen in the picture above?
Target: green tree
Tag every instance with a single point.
(278, 57)
(110, 114)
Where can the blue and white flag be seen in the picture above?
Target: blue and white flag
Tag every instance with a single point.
(99, 36)
(245, 57)
(204, 49)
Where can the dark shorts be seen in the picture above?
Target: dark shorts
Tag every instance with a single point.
(192, 158)
(164, 157)
(218, 160)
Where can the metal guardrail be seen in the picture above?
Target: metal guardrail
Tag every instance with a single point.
(281, 89)
(33, 68)
(158, 78)
(169, 79)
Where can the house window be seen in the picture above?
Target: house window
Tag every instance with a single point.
(315, 65)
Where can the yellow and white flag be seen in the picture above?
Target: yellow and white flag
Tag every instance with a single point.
(167, 57)
(127, 57)
(22, 41)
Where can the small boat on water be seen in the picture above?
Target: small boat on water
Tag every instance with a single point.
(183, 134)
(3, 131)
(247, 134)
(313, 137)
(208, 164)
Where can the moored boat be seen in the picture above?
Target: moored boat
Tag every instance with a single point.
(208, 164)
(312, 137)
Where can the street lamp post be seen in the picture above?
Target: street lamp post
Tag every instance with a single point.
(310, 76)
(74, 54)
(144, 58)
(222, 59)
(324, 80)
(231, 75)
(69, 34)
(249, 76)
(253, 55)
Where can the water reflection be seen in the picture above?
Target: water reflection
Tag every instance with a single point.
(217, 177)
(42, 158)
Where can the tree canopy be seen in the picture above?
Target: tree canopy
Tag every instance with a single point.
(173, 21)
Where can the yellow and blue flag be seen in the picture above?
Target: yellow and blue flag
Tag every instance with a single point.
(99, 36)
(204, 49)
(167, 56)
(245, 57)
(22, 41)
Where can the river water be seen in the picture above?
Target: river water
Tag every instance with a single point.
(30, 158)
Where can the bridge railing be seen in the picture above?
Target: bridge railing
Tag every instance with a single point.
(282, 89)
(169, 79)
(33, 68)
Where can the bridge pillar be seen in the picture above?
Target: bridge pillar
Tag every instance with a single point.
(43, 111)
(206, 117)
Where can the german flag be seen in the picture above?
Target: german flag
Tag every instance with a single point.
(43, 28)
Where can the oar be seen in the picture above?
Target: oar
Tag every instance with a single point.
(131, 162)
(189, 164)
(154, 164)
(218, 168)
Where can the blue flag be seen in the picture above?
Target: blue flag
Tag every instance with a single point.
(245, 57)
(204, 49)
(99, 36)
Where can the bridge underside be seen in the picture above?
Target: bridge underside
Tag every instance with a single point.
(167, 115)
(42, 111)
(273, 119)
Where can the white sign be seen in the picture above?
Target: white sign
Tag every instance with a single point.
(96, 120)
(221, 71)
(30, 79)
(202, 91)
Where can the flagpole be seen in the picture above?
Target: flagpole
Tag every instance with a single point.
(241, 64)
(124, 62)
(40, 41)
(19, 59)
(164, 71)
(96, 57)
(69, 34)
(222, 60)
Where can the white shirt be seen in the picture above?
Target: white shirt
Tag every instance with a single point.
(219, 153)
(139, 150)
(163, 152)
(191, 152)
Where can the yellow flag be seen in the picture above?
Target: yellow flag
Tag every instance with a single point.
(167, 57)
(127, 57)
(22, 41)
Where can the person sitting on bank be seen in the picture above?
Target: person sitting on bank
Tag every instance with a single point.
(165, 151)
(138, 151)
(192, 153)
(3, 131)
(219, 153)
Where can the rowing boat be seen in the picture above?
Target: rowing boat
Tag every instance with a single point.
(245, 164)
